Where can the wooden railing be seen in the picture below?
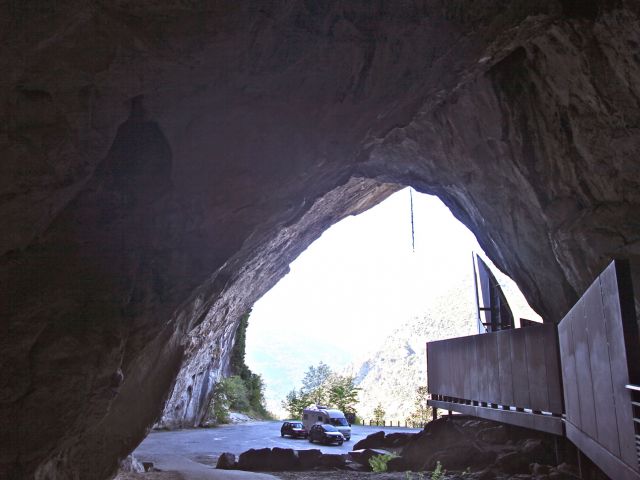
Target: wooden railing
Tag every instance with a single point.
(600, 367)
(511, 376)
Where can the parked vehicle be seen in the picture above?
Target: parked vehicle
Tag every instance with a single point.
(293, 428)
(319, 414)
(325, 433)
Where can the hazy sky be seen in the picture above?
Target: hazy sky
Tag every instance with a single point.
(353, 285)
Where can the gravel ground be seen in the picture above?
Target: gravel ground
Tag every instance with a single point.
(346, 475)
(149, 476)
(341, 474)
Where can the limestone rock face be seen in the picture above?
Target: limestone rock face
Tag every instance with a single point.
(164, 161)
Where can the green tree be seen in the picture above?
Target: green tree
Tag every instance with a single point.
(243, 391)
(321, 386)
(255, 394)
(236, 393)
(343, 393)
(295, 402)
(218, 411)
(379, 413)
(236, 362)
(316, 377)
(421, 411)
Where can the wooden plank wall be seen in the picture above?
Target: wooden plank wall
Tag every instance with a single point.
(599, 350)
(509, 370)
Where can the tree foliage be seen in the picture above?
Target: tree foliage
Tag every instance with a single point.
(295, 402)
(421, 413)
(315, 380)
(379, 413)
(243, 391)
(379, 463)
(236, 361)
(321, 386)
(343, 393)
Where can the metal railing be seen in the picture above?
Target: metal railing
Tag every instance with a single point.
(635, 405)
(392, 423)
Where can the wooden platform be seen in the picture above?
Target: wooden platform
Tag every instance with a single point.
(541, 422)
(580, 379)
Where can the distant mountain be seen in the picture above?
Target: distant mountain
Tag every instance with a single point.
(392, 374)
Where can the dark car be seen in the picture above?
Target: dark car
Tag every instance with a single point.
(295, 429)
(325, 433)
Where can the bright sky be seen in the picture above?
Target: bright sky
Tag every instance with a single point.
(353, 286)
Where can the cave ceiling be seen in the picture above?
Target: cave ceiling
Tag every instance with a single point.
(164, 162)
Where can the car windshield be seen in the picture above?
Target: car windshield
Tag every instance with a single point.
(329, 428)
(296, 425)
(339, 422)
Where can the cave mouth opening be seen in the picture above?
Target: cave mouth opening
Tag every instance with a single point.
(368, 284)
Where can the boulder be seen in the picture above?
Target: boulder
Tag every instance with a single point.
(255, 459)
(226, 461)
(538, 469)
(538, 450)
(495, 435)
(267, 459)
(131, 465)
(362, 456)
(332, 460)
(283, 459)
(485, 474)
(459, 457)
(375, 440)
(309, 459)
(398, 464)
(513, 462)
(448, 441)
(397, 439)
(557, 475)
(568, 470)
(355, 467)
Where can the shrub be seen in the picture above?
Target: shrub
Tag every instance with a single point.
(237, 394)
(438, 473)
(379, 413)
(379, 462)
(218, 411)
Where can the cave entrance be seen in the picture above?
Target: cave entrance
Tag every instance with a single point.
(362, 300)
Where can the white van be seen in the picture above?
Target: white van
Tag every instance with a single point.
(319, 414)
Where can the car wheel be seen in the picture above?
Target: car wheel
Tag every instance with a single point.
(310, 440)
(340, 443)
(281, 434)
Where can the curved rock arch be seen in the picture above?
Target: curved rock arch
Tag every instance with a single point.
(166, 162)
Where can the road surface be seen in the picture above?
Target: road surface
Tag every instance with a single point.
(204, 445)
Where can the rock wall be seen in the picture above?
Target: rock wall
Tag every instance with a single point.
(163, 162)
